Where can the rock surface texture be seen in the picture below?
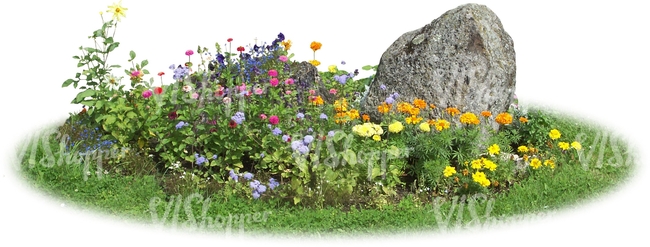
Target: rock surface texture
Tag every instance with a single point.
(462, 59)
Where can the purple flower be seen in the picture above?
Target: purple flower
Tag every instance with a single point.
(390, 100)
(395, 95)
(342, 62)
(285, 138)
(296, 144)
(310, 130)
(382, 87)
(256, 195)
(300, 115)
(331, 133)
(214, 157)
(323, 116)
(238, 117)
(262, 155)
(220, 58)
(172, 66)
(201, 160)
(181, 124)
(273, 183)
(341, 79)
(308, 139)
(303, 149)
(233, 175)
(281, 37)
(254, 184)
(248, 176)
(260, 188)
(146, 94)
(277, 131)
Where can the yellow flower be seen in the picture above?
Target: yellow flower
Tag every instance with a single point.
(479, 177)
(332, 68)
(449, 171)
(452, 111)
(315, 46)
(488, 164)
(353, 114)
(442, 124)
(317, 100)
(395, 127)
(550, 163)
(341, 117)
(314, 62)
(414, 111)
(494, 149)
(341, 105)
(413, 120)
(563, 145)
(432, 106)
(554, 134)
(576, 145)
(486, 113)
(469, 118)
(404, 107)
(535, 163)
(362, 130)
(286, 44)
(476, 164)
(376, 137)
(523, 120)
(522, 149)
(425, 127)
(419, 103)
(384, 108)
(504, 118)
(117, 10)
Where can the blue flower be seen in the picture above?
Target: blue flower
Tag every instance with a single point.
(248, 176)
(303, 149)
(238, 117)
(181, 124)
(310, 130)
(300, 115)
(331, 133)
(342, 62)
(382, 87)
(262, 155)
(273, 183)
(308, 139)
(254, 184)
(296, 144)
(260, 188)
(233, 175)
(277, 131)
(214, 157)
(201, 160)
(285, 138)
(323, 116)
(390, 100)
(256, 195)
(341, 79)
(172, 66)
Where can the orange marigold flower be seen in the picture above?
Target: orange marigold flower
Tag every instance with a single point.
(341, 105)
(432, 106)
(413, 120)
(414, 111)
(486, 113)
(523, 120)
(353, 114)
(452, 111)
(384, 108)
(286, 44)
(469, 118)
(317, 101)
(315, 46)
(465, 172)
(341, 117)
(365, 117)
(504, 118)
(404, 107)
(442, 124)
(419, 103)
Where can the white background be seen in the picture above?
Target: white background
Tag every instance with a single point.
(587, 59)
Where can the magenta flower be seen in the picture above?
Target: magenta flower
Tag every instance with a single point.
(242, 87)
(274, 120)
(283, 58)
(289, 81)
(147, 94)
(273, 72)
(189, 52)
(274, 82)
(333, 91)
(258, 91)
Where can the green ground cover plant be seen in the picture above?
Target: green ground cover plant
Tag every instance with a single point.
(237, 142)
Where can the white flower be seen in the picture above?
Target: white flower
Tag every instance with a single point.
(187, 88)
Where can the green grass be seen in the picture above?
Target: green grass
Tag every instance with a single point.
(131, 196)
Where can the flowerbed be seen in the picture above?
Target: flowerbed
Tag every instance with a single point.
(244, 123)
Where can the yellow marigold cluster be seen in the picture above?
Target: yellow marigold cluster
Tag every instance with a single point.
(479, 178)
(425, 127)
(314, 62)
(564, 145)
(535, 163)
(439, 124)
(395, 127)
(286, 44)
(317, 100)
(419, 103)
(481, 163)
(452, 111)
(522, 149)
(469, 118)
(413, 119)
(554, 134)
(550, 163)
(576, 145)
(384, 108)
(449, 171)
(523, 120)
(494, 149)
(504, 118)
(367, 129)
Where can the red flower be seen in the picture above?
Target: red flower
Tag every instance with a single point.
(240, 49)
(232, 124)
(172, 115)
(161, 73)
(158, 90)
(229, 39)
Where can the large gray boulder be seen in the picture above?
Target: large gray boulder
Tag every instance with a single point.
(462, 59)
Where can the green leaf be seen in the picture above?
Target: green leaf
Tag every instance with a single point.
(112, 46)
(296, 200)
(144, 63)
(110, 119)
(84, 94)
(367, 67)
(350, 157)
(132, 55)
(90, 49)
(131, 115)
(67, 82)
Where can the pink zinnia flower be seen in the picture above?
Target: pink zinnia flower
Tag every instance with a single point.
(288, 92)
(195, 95)
(259, 91)
(147, 94)
(274, 82)
(283, 58)
(333, 91)
(273, 72)
(263, 116)
(242, 87)
(312, 91)
(189, 52)
(289, 81)
(274, 120)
